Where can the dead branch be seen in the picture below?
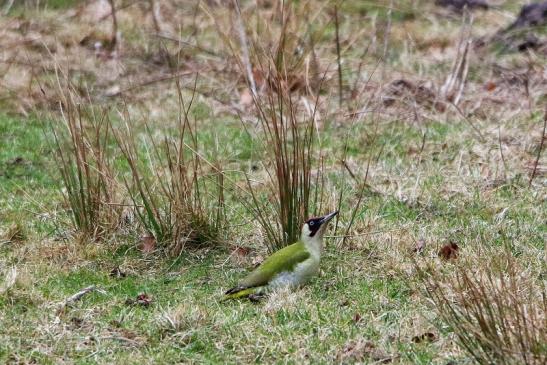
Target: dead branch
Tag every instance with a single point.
(79, 295)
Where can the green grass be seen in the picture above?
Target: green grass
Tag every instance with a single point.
(357, 297)
(27, 188)
(318, 315)
(61, 4)
(23, 7)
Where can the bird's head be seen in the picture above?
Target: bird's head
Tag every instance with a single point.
(314, 228)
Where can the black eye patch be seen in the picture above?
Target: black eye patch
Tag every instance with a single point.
(314, 224)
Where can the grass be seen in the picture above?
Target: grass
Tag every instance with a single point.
(85, 168)
(366, 280)
(27, 192)
(496, 314)
(169, 193)
(368, 304)
(190, 287)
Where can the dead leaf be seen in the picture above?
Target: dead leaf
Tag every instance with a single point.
(260, 80)
(142, 299)
(128, 336)
(147, 244)
(403, 91)
(424, 337)
(241, 251)
(9, 280)
(357, 318)
(490, 86)
(449, 251)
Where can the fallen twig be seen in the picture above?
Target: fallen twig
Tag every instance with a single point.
(79, 295)
(365, 233)
(540, 149)
(153, 81)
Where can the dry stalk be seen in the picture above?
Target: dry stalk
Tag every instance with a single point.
(84, 165)
(288, 133)
(539, 150)
(170, 193)
(497, 315)
(454, 85)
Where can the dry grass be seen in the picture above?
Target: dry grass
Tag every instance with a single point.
(85, 166)
(170, 197)
(287, 118)
(496, 310)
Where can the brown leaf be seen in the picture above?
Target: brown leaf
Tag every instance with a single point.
(240, 255)
(142, 299)
(357, 318)
(424, 337)
(260, 80)
(490, 86)
(402, 91)
(241, 251)
(147, 244)
(449, 251)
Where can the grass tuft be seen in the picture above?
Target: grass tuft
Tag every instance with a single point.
(84, 165)
(496, 313)
(173, 196)
(274, 75)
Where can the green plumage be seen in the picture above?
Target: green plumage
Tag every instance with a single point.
(280, 261)
(243, 293)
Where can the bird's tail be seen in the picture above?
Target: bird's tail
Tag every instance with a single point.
(236, 293)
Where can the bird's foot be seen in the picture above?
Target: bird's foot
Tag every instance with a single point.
(257, 297)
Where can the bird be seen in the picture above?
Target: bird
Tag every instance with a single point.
(292, 266)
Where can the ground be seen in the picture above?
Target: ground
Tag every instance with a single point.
(438, 170)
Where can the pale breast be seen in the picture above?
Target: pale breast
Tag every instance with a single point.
(301, 274)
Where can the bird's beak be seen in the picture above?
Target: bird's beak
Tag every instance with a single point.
(328, 217)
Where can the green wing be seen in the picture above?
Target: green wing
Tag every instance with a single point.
(283, 260)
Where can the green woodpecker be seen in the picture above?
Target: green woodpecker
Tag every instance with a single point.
(292, 266)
